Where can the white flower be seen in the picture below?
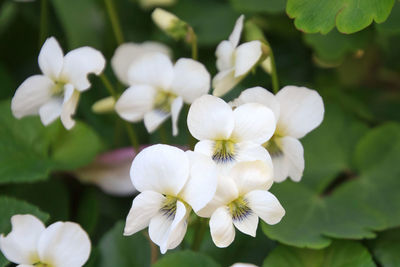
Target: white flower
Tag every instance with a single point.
(171, 182)
(233, 61)
(239, 264)
(127, 53)
(242, 198)
(56, 93)
(228, 136)
(30, 243)
(298, 110)
(159, 88)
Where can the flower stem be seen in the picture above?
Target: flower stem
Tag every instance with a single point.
(274, 73)
(194, 45)
(128, 127)
(201, 227)
(153, 250)
(43, 22)
(114, 21)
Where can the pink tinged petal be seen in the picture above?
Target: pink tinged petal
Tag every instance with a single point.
(234, 38)
(19, 246)
(294, 153)
(160, 168)
(144, 207)
(79, 63)
(191, 80)
(252, 175)
(71, 98)
(154, 69)
(51, 58)
(246, 57)
(31, 95)
(176, 107)
(64, 244)
(50, 111)
(154, 118)
(247, 224)
(202, 184)
(210, 118)
(225, 55)
(221, 227)
(224, 81)
(135, 102)
(262, 96)
(266, 206)
(253, 122)
(302, 110)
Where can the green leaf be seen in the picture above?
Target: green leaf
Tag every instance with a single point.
(123, 251)
(257, 6)
(355, 209)
(386, 248)
(184, 259)
(348, 16)
(340, 253)
(392, 24)
(88, 210)
(332, 48)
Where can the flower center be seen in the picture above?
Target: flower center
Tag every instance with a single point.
(169, 207)
(58, 89)
(39, 264)
(273, 147)
(239, 208)
(224, 151)
(163, 101)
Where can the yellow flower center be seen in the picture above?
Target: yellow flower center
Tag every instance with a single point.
(239, 208)
(163, 101)
(224, 151)
(273, 147)
(58, 89)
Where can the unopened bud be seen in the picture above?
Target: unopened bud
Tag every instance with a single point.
(170, 23)
(104, 105)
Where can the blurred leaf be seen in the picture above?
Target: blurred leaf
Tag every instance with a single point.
(88, 210)
(340, 253)
(354, 209)
(348, 16)
(40, 149)
(184, 259)
(8, 10)
(386, 248)
(257, 6)
(123, 251)
(392, 24)
(332, 48)
(82, 21)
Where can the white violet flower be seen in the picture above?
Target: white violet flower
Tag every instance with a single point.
(233, 61)
(242, 197)
(159, 88)
(56, 92)
(228, 136)
(171, 182)
(31, 244)
(298, 110)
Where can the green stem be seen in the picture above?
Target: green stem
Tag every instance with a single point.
(274, 73)
(108, 86)
(114, 21)
(132, 135)
(199, 233)
(194, 47)
(43, 22)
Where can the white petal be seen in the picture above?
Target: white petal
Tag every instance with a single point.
(224, 81)
(50, 111)
(71, 98)
(78, 63)
(160, 168)
(19, 246)
(154, 118)
(30, 95)
(294, 153)
(246, 57)
(224, 54)
(210, 118)
(221, 227)
(266, 206)
(205, 147)
(249, 151)
(153, 69)
(262, 96)
(176, 107)
(252, 175)
(25, 265)
(64, 244)
(248, 224)
(302, 110)
(239, 264)
(202, 184)
(51, 58)
(253, 122)
(281, 165)
(144, 207)
(234, 38)
(135, 101)
(191, 80)
(127, 53)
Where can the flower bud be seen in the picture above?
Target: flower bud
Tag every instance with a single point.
(104, 105)
(170, 23)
